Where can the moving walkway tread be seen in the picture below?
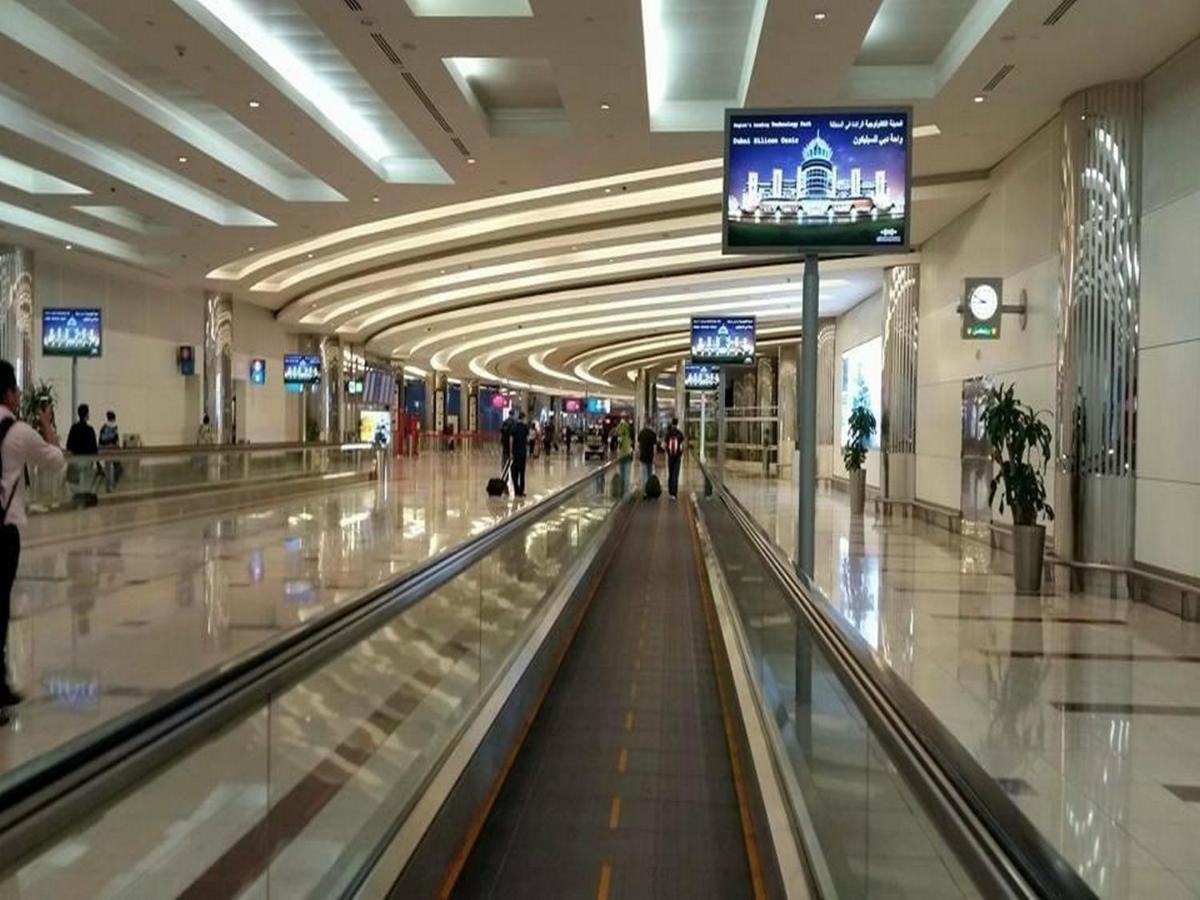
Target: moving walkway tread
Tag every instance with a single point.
(623, 786)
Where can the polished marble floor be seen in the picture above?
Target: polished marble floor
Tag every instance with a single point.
(1085, 709)
(103, 624)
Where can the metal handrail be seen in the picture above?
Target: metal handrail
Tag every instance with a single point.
(1007, 847)
(181, 449)
(41, 798)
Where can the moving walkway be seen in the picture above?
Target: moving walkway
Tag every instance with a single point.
(602, 696)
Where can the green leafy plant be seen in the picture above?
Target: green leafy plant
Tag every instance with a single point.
(1020, 443)
(32, 400)
(862, 426)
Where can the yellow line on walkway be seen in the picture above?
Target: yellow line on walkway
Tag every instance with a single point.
(629, 720)
(623, 761)
(614, 813)
(605, 878)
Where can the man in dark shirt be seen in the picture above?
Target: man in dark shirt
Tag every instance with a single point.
(81, 439)
(647, 442)
(519, 437)
(506, 429)
(674, 447)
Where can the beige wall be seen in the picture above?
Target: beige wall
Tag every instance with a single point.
(1012, 233)
(137, 376)
(1168, 439)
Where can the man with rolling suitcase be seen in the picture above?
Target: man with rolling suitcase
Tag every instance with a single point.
(647, 445)
(520, 452)
(674, 447)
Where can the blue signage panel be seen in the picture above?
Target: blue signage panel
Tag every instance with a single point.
(723, 339)
(301, 368)
(700, 377)
(258, 371)
(597, 406)
(817, 180)
(71, 332)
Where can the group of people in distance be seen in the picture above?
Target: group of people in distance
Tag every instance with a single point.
(517, 442)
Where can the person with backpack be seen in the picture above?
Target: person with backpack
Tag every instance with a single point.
(647, 442)
(20, 446)
(110, 439)
(674, 447)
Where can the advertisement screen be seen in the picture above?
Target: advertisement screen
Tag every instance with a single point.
(862, 384)
(258, 371)
(375, 427)
(378, 387)
(71, 332)
(597, 406)
(811, 180)
(699, 377)
(301, 368)
(572, 405)
(723, 339)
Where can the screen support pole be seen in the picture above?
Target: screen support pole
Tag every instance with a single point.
(806, 430)
(703, 424)
(74, 386)
(721, 425)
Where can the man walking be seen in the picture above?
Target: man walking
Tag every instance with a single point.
(520, 452)
(674, 447)
(20, 446)
(506, 429)
(647, 444)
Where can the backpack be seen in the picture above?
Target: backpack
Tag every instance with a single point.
(673, 444)
(6, 426)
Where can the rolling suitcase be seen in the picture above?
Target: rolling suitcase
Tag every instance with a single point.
(653, 487)
(498, 486)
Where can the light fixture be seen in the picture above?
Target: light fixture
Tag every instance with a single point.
(470, 160)
(979, 98)
(608, 190)
(819, 16)
(254, 104)
(375, 199)
(309, 256)
(70, 246)
(183, 159)
(921, 131)
(605, 107)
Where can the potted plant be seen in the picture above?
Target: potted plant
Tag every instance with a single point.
(41, 394)
(854, 453)
(1020, 443)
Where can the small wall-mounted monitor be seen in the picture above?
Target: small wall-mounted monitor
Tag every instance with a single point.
(723, 340)
(185, 359)
(700, 377)
(258, 371)
(301, 368)
(817, 180)
(598, 406)
(71, 332)
(572, 405)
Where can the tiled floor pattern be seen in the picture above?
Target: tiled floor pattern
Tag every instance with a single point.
(1087, 707)
(623, 787)
(102, 624)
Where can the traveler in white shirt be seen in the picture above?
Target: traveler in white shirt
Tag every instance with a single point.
(20, 446)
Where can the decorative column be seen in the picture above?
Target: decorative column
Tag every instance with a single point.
(435, 402)
(469, 400)
(218, 364)
(681, 397)
(766, 368)
(1099, 296)
(898, 430)
(827, 400)
(789, 359)
(639, 400)
(16, 311)
(332, 388)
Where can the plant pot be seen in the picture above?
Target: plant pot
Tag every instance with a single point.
(1029, 544)
(858, 492)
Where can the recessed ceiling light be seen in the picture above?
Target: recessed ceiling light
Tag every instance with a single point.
(183, 159)
(70, 246)
(470, 160)
(979, 98)
(375, 199)
(605, 106)
(921, 131)
(819, 16)
(254, 104)
(309, 256)
(608, 190)
(250, 248)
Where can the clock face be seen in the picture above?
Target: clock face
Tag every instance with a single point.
(984, 302)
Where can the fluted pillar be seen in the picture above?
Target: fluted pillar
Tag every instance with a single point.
(435, 402)
(640, 393)
(1099, 296)
(681, 397)
(469, 399)
(16, 311)
(827, 403)
(898, 430)
(789, 358)
(218, 364)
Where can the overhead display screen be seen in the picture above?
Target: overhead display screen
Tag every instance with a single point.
(699, 377)
(598, 406)
(723, 339)
(71, 332)
(572, 405)
(817, 180)
(301, 368)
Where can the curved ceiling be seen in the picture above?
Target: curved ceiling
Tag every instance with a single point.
(517, 190)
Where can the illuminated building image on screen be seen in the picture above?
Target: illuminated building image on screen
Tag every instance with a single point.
(723, 339)
(258, 371)
(71, 332)
(812, 180)
(301, 368)
(699, 377)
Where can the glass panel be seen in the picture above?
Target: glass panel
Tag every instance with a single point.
(874, 837)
